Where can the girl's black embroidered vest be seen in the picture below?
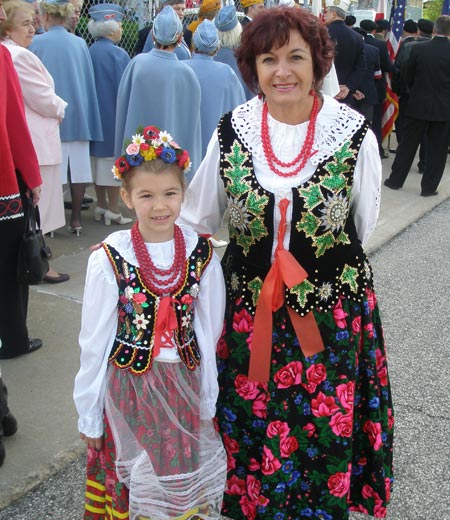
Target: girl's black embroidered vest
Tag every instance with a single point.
(138, 306)
(323, 235)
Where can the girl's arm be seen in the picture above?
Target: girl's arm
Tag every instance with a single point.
(98, 329)
(208, 325)
(205, 201)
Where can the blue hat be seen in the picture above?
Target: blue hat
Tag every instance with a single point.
(56, 2)
(206, 37)
(106, 13)
(167, 26)
(226, 18)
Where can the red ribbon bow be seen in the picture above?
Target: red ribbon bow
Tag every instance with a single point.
(285, 271)
(166, 322)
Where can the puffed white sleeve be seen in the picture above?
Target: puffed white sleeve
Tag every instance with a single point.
(208, 325)
(98, 329)
(365, 198)
(205, 201)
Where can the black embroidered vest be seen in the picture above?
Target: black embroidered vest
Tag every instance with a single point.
(323, 235)
(138, 306)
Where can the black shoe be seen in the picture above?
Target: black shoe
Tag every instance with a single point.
(392, 150)
(383, 154)
(62, 277)
(9, 425)
(68, 205)
(33, 345)
(87, 200)
(388, 183)
(429, 194)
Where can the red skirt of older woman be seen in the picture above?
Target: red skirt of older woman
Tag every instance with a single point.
(316, 440)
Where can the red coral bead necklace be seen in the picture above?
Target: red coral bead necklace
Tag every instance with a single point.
(160, 281)
(305, 152)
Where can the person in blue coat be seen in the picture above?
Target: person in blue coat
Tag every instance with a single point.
(182, 51)
(67, 58)
(158, 89)
(109, 62)
(230, 31)
(220, 87)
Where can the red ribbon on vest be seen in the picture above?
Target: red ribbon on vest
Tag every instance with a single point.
(166, 323)
(285, 271)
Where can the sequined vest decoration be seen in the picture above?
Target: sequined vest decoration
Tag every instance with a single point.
(323, 234)
(137, 308)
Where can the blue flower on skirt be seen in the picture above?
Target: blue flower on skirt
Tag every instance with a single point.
(281, 486)
(287, 466)
(323, 515)
(308, 512)
(374, 402)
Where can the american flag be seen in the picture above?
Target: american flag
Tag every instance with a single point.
(446, 7)
(390, 105)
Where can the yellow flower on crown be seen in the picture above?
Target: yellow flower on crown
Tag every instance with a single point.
(149, 154)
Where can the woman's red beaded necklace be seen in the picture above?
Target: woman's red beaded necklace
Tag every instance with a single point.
(305, 152)
(160, 281)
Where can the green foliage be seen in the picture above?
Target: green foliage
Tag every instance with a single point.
(432, 9)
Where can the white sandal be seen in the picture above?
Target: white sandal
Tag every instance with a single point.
(116, 218)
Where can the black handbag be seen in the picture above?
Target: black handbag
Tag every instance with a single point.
(32, 262)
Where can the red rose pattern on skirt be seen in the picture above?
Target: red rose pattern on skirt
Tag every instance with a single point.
(315, 441)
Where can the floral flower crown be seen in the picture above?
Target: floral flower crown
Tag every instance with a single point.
(147, 144)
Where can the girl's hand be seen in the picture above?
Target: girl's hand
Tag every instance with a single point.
(92, 442)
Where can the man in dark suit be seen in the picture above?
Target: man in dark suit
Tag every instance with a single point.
(428, 76)
(251, 9)
(366, 96)
(399, 85)
(350, 61)
(370, 27)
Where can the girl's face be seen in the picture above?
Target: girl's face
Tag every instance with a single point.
(156, 198)
(22, 30)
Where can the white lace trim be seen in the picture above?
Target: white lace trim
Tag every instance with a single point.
(336, 124)
(162, 253)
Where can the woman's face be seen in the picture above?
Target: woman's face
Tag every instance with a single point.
(22, 30)
(285, 75)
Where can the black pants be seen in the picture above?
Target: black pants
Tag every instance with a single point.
(13, 296)
(437, 144)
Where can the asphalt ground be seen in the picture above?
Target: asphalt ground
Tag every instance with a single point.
(43, 475)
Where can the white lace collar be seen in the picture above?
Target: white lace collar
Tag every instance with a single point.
(162, 253)
(336, 123)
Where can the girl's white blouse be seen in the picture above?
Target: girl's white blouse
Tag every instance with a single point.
(206, 202)
(100, 318)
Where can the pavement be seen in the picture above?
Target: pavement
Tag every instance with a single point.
(40, 385)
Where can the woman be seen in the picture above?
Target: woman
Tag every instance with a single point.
(67, 59)
(20, 178)
(44, 111)
(304, 406)
(109, 62)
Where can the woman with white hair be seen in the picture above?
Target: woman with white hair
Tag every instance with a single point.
(230, 31)
(67, 59)
(109, 62)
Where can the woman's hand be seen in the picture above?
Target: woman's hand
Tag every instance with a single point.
(36, 194)
(92, 442)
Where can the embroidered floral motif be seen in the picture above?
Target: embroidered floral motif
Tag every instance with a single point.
(350, 276)
(246, 206)
(302, 290)
(327, 204)
(255, 286)
(325, 291)
(234, 282)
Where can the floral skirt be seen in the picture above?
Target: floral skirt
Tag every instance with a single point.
(315, 442)
(160, 459)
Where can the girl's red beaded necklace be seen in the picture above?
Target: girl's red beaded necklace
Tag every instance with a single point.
(305, 152)
(160, 281)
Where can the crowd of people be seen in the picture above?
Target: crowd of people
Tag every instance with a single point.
(256, 387)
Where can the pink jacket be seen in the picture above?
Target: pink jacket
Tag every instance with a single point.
(43, 108)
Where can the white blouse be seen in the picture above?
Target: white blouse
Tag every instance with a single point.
(206, 202)
(100, 318)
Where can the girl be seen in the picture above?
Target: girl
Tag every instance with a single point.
(147, 387)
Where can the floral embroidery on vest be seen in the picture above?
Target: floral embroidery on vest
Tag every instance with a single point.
(138, 307)
(246, 207)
